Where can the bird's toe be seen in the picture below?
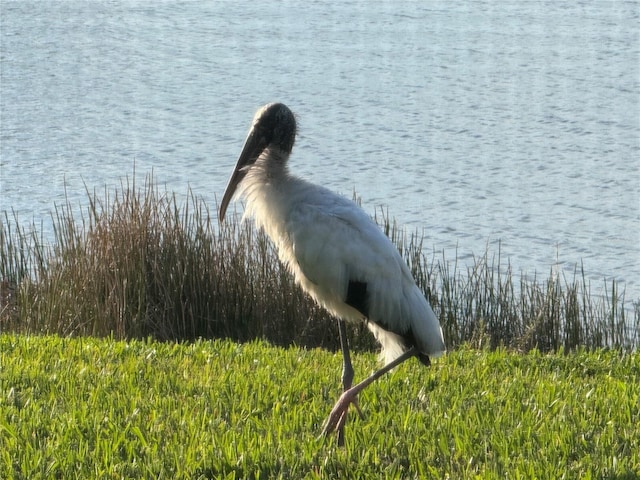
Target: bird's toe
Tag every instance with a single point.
(338, 416)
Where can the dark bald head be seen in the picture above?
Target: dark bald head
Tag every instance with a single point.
(275, 125)
(273, 129)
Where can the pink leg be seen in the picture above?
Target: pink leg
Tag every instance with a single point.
(347, 376)
(338, 414)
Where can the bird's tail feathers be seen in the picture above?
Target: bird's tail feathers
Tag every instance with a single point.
(392, 345)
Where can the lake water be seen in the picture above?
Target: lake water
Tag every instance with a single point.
(475, 122)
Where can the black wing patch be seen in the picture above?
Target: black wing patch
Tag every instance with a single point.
(357, 297)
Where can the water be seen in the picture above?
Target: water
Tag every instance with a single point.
(475, 122)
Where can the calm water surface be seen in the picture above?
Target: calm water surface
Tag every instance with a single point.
(475, 122)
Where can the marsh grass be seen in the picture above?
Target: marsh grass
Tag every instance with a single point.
(139, 262)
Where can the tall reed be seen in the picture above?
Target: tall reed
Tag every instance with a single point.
(140, 263)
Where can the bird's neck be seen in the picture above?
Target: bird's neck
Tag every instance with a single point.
(266, 190)
(271, 165)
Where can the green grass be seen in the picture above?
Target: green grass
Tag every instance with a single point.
(101, 408)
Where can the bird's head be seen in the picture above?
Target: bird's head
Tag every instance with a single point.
(273, 127)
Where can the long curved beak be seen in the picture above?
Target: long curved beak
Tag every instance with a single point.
(253, 147)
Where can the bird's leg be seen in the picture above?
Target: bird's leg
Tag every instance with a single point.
(347, 368)
(337, 417)
(347, 376)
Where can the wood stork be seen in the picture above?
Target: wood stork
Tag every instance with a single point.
(335, 251)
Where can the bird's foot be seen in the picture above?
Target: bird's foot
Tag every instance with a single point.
(338, 416)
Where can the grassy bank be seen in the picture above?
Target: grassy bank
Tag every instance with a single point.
(92, 408)
(140, 263)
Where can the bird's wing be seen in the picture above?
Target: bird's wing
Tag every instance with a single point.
(345, 259)
(337, 245)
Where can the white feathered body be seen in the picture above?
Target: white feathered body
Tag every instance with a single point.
(326, 241)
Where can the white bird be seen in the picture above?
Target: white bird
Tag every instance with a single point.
(335, 251)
